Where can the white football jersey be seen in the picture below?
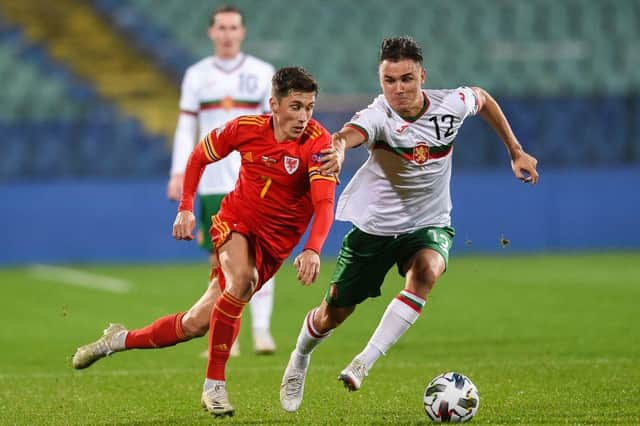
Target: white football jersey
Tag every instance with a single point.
(214, 92)
(404, 184)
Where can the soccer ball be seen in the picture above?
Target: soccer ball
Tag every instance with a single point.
(451, 397)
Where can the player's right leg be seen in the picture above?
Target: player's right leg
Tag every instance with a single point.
(316, 327)
(361, 266)
(422, 257)
(166, 331)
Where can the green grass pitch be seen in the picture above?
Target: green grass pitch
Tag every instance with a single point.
(546, 338)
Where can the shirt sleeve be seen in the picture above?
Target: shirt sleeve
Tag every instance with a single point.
(323, 190)
(216, 145)
(367, 122)
(322, 142)
(322, 196)
(221, 141)
(186, 133)
(195, 167)
(470, 101)
(183, 142)
(189, 102)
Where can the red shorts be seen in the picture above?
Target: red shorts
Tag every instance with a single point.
(220, 231)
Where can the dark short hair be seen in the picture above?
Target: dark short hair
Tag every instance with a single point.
(395, 49)
(225, 8)
(289, 79)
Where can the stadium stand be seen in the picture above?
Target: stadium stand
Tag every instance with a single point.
(54, 124)
(565, 72)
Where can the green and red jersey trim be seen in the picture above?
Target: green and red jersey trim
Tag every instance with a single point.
(435, 152)
(223, 103)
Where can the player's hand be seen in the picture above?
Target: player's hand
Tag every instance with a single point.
(524, 167)
(184, 225)
(174, 187)
(307, 264)
(332, 158)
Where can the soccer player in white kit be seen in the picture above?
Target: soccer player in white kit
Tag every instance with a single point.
(399, 203)
(215, 90)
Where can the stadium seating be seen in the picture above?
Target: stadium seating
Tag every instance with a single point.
(53, 124)
(516, 47)
(565, 73)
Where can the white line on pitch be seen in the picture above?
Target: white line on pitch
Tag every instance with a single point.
(79, 278)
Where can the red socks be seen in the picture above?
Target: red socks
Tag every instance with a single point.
(225, 324)
(165, 331)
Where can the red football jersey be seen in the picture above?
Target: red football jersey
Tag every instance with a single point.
(272, 195)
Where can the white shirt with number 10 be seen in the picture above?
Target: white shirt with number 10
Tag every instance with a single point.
(404, 184)
(214, 92)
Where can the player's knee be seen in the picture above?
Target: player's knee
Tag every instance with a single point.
(194, 325)
(242, 283)
(426, 275)
(327, 318)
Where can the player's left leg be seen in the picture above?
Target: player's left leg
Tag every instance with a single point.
(240, 273)
(165, 331)
(422, 269)
(325, 318)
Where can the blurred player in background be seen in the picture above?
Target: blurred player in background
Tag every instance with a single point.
(399, 203)
(279, 190)
(215, 90)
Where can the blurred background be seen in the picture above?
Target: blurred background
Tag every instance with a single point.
(89, 104)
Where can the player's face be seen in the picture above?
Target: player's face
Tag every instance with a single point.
(291, 114)
(227, 34)
(401, 84)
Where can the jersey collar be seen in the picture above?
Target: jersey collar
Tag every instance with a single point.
(425, 106)
(229, 65)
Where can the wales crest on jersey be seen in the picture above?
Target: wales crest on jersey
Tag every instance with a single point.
(421, 153)
(291, 164)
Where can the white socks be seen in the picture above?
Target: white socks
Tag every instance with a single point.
(308, 339)
(400, 314)
(261, 306)
(117, 343)
(210, 384)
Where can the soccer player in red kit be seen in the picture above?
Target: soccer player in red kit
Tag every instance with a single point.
(279, 190)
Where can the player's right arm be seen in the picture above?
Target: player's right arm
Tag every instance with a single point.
(185, 221)
(213, 147)
(332, 158)
(185, 135)
(362, 128)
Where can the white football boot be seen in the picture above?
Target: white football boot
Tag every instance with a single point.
(353, 375)
(292, 387)
(112, 340)
(216, 401)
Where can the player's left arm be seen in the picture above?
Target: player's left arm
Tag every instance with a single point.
(522, 163)
(323, 191)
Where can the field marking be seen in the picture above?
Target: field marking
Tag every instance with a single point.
(78, 278)
(321, 368)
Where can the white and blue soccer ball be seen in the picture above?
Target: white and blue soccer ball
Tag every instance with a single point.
(451, 398)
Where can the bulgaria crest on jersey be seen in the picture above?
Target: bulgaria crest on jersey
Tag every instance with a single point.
(291, 164)
(421, 153)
